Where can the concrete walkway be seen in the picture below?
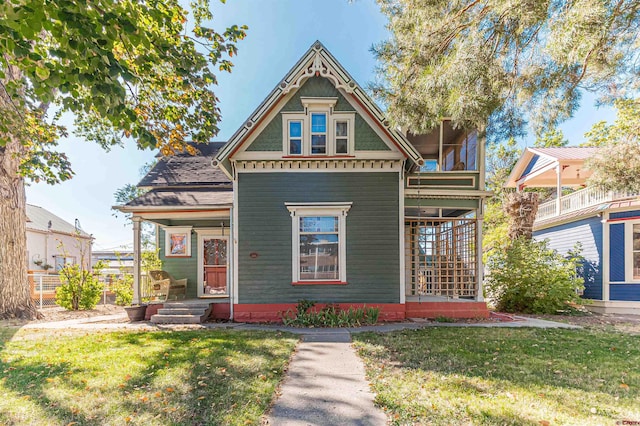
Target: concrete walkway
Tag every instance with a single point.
(325, 385)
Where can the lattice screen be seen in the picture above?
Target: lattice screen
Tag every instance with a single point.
(441, 257)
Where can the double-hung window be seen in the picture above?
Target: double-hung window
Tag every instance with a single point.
(319, 243)
(318, 130)
(318, 133)
(342, 136)
(295, 136)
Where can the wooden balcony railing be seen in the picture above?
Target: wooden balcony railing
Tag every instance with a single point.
(578, 200)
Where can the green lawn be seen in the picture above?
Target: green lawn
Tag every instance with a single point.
(445, 376)
(186, 377)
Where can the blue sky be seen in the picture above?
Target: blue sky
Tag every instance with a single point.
(280, 31)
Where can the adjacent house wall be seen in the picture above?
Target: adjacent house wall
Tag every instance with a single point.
(265, 229)
(588, 232)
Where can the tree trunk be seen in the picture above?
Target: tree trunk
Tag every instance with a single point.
(15, 298)
(521, 208)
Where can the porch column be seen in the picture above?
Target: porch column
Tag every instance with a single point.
(480, 271)
(136, 259)
(558, 189)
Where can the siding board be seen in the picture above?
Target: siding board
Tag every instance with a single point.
(624, 292)
(372, 227)
(589, 233)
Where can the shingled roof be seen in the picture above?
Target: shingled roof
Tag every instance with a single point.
(200, 197)
(184, 169)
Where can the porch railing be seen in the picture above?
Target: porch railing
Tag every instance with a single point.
(578, 200)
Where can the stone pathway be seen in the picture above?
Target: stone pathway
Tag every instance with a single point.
(325, 385)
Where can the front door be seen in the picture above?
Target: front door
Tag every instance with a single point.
(214, 266)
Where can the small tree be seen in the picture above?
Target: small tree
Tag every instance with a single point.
(81, 288)
(527, 276)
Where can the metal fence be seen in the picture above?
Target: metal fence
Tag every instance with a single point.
(43, 289)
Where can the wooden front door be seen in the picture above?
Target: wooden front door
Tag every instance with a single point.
(215, 266)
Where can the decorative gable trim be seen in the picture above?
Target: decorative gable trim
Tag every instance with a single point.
(317, 61)
(318, 165)
(318, 68)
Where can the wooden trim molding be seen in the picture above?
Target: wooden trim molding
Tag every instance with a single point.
(319, 283)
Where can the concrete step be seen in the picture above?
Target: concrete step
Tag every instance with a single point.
(182, 311)
(176, 319)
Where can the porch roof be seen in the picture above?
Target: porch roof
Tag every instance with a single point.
(192, 198)
(537, 167)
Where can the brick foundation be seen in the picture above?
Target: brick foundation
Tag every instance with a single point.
(388, 311)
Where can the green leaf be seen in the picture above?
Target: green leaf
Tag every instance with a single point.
(42, 73)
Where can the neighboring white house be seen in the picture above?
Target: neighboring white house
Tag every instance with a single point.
(53, 242)
(117, 262)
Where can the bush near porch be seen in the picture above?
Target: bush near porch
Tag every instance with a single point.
(151, 378)
(489, 376)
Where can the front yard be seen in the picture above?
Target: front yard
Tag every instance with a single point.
(445, 376)
(186, 377)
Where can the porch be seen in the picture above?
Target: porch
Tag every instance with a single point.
(578, 200)
(442, 259)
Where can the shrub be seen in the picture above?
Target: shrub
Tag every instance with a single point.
(527, 276)
(80, 288)
(330, 315)
(123, 289)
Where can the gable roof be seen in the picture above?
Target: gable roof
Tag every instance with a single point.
(317, 61)
(38, 219)
(542, 161)
(184, 169)
(566, 152)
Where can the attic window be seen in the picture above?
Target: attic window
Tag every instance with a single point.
(318, 131)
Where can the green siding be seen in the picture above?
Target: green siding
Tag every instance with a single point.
(186, 267)
(373, 266)
(441, 202)
(270, 139)
(366, 139)
(463, 179)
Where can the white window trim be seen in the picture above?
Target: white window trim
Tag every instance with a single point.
(628, 251)
(168, 230)
(322, 106)
(298, 210)
(286, 119)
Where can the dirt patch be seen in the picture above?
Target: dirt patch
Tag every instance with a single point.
(60, 314)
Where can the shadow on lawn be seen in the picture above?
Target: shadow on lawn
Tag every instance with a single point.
(187, 377)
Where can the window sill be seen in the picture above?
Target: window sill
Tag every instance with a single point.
(324, 156)
(319, 283)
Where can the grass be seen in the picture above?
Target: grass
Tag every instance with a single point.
(444, 376)
(152, 378)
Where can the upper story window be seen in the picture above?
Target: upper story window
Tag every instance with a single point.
(295, 137)
(318, 131)
(447, 148)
